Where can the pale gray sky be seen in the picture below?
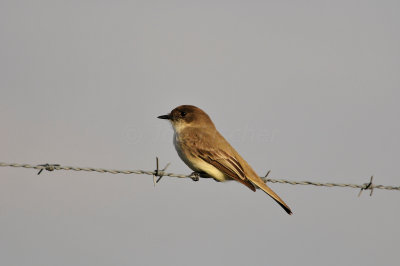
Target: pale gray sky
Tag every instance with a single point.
(308, 89)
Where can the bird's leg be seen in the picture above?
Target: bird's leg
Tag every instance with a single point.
(195, 176)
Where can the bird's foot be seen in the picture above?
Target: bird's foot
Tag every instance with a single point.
(195, 176)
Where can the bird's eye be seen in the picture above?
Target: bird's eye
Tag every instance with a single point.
(183, 114)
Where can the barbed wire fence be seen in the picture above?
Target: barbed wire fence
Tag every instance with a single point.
(158, 174)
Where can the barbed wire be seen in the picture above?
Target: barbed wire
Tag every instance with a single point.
(160, 173)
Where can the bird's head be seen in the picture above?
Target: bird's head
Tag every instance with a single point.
(188, 116)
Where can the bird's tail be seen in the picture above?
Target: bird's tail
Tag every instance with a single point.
(273, 195)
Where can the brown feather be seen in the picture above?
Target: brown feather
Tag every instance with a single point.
(204, 149)
(226, 170)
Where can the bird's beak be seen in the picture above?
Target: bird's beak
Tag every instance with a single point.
(165, 117)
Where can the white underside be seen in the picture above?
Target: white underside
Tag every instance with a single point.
(197, 164)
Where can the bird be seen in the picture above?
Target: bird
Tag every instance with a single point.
(203, 149)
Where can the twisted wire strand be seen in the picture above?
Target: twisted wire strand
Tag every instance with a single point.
(51, 167)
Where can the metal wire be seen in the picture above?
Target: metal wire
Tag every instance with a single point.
(160, 173)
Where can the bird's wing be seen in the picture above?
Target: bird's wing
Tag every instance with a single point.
(224, 157)
(226, 163)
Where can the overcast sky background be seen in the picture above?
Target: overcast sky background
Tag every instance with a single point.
(307, 89)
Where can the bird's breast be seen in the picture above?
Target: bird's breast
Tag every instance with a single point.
(186, 152)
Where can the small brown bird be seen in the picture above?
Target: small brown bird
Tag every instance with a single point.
(205, 151)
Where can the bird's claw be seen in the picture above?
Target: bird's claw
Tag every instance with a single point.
(195, 176)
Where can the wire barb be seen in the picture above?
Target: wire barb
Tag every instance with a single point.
(367, 186)
(265, 178)
(159, 173)
(48, 167)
